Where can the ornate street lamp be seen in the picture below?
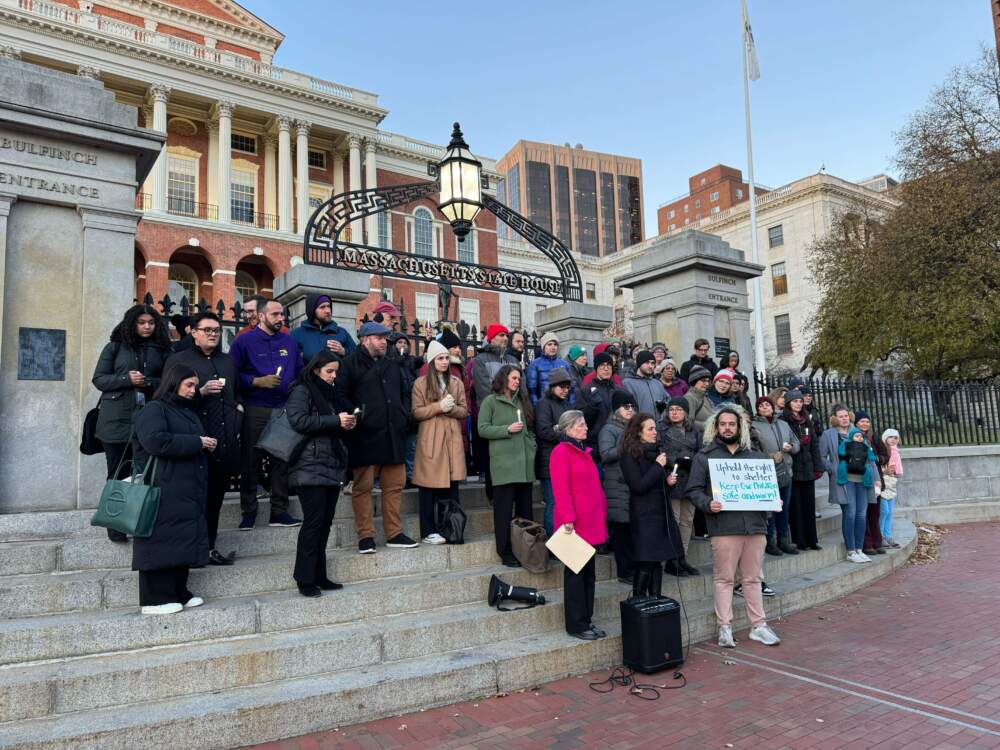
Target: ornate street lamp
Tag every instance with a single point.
(460, 175)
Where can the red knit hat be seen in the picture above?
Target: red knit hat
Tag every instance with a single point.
(494, 329)
(723, 374)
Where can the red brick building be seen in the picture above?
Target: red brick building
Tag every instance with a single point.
(709, 192)
(251, 149)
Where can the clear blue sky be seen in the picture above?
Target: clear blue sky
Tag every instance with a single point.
(659, 80)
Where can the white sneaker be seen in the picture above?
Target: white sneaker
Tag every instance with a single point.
(862, 557)
(434, 539)
(194, 601)
(852, 556)
(726, 636)
(764, 634)
(162, 609)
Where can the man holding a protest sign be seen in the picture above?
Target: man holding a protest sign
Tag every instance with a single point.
(735, 486)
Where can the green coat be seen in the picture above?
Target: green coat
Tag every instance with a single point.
(512, 455)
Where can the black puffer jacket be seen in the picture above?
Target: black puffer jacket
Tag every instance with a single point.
(547, 413)
(681, 444)
(118, 396)
(323, 461)
(808, 460)
(699, 492)
(378, 387)
(655, 536)
(609, 442)
(169, 430)
(218, 412)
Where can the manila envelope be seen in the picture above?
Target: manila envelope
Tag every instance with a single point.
(571, 549)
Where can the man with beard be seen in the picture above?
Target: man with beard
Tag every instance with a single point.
(319, 331)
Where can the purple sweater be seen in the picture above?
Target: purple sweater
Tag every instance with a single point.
(677, 388)
(257, 354)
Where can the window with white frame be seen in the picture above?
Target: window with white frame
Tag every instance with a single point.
(515, 314)
(714, 196)
(672, 227)
(182, 184)
(466, 248)
(423, 233)
(739, 194)
(245, 143)
(468, 310)
(697, 203)
(619, 317)
(242, 191)
(671, 214)
(246, 287)
(426, 307)
(783, 334)
(384, 240)
(686, 208)
(715, 209)
(182, 282)
(775, 236)
(591, 291)
(317, 159)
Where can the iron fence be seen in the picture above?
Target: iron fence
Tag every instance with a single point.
(232, 318)
(926, 413)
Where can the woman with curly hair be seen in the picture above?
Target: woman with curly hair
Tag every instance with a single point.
(127, 374)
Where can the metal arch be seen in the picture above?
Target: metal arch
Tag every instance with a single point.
(322, 246)
(551, 247)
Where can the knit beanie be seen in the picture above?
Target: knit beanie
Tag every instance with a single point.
(723, 374)
(658, 345)
(681, 402)
(763, 400)
(859, 415)
(890, 433)
(448, 339)
(434, 349)
(494, 330)
(559, 375)
(621, 398)
(792, 395)
(550, 336)
(575, 351)
(643, 357)
(698, 373)
(603, 359)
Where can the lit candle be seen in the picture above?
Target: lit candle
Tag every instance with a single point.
(518, 415)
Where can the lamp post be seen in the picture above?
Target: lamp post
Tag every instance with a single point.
(460, 177)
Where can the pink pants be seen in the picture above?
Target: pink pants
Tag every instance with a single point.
(747, 554)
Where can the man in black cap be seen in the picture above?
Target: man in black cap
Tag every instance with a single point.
(700, 358)
(372, 382)
(699, 407)
(647, 390)
(547, 412)
(594, 399)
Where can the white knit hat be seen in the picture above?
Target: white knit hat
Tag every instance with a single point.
(890, 433)
(550, 336)
(434, 350)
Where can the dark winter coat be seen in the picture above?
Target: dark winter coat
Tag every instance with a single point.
(655, 536)
(547, 413)
(378, 387)
(609, 442)
(594, 401)
(699, 492)
(707, 362)
(681, 443)
(219, 415)
(119, 404)
(576, 374)
(808, 461)
(485, 366)
(169, 430)
(647, 392)
(323, 461)
(312, 338)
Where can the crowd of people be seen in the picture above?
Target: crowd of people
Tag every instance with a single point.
(620, 449)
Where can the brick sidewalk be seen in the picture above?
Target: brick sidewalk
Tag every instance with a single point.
(911, 662)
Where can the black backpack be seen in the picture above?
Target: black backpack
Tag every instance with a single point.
(856, 456)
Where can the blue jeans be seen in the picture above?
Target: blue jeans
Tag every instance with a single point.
(780, 520)
(411, 452)
(885, 518)
(550, 503)
(852, 519)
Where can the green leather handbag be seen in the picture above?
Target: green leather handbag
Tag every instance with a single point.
(130, 505)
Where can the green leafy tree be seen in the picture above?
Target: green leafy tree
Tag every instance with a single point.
(919, 286)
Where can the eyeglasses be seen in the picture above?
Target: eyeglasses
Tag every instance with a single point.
(702, 349)
(210, 331)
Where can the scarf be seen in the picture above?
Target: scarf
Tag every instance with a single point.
(575, 443)
(322, 394)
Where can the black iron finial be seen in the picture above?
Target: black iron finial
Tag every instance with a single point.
(457, 139)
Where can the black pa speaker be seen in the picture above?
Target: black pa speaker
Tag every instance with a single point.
(651, 634)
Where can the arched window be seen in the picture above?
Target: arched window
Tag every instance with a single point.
(182, 281)
(423, 233)
(245, 286)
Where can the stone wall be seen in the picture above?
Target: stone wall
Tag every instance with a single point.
(950, 485)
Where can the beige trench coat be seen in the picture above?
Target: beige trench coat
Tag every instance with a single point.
(440, 454)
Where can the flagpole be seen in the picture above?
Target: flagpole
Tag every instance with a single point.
(758, 312)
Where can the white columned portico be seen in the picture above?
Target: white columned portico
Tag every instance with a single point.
(213, 163)
(270, 175)
(302, 174)
(338, 171)
(225, 110)
(354, 157)
(371, 222)
(284, 174)
(159, 94)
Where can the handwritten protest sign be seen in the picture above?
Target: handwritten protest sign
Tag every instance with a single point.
(745, 484)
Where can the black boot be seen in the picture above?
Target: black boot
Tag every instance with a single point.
(656, 581)
(674, 568)
(772, 548)
(691, 569)
(786, 546)
(640, 581)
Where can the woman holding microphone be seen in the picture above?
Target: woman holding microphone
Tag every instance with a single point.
(580, 506)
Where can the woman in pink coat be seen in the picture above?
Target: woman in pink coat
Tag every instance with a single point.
(580, 506)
